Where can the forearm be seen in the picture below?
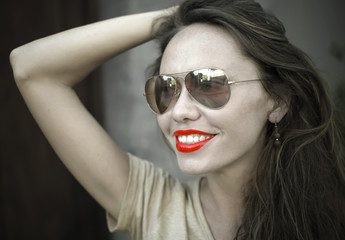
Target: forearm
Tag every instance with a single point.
(67, 57)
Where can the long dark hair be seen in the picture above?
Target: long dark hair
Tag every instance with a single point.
(298, 191)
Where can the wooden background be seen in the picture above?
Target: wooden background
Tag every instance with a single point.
(39, 199)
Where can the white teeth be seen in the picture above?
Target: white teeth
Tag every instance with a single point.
(194, 138)
(190, 139)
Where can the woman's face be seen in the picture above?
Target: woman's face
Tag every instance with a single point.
(238, 129)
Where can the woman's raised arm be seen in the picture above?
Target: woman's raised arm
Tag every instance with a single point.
(46, 70)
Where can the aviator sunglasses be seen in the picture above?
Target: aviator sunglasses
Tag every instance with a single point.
(209, 86)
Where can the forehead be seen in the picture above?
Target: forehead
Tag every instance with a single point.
(199, 46)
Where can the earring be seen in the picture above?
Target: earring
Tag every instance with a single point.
(276, 135)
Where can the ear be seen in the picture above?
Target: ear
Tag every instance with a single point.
(279, 110)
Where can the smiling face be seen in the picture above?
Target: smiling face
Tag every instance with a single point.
(231, 137)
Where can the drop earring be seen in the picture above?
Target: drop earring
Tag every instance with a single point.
(276, 135)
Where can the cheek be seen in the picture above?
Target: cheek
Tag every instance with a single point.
(245, 114)
(163, 122)
(252, 101)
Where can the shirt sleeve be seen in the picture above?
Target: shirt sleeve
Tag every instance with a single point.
(149, 192)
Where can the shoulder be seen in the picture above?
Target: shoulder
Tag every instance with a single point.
(157, 205)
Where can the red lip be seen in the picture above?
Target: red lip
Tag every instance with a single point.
(187, 148)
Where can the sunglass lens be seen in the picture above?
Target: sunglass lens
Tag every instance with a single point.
(209, 87)
(159, 92)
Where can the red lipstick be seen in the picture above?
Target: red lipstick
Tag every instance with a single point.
(187, 148)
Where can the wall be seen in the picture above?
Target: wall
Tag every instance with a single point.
(317, 27)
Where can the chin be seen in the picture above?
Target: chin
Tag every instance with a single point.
(191, 167)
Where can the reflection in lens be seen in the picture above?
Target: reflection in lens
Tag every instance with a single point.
(164, 92)
(209, 87)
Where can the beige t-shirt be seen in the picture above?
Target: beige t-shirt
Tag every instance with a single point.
(158, 206)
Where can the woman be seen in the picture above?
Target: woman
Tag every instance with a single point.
(236, 102)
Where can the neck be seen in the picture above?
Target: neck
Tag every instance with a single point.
(225, 191)
(222, 193)
(222, 211)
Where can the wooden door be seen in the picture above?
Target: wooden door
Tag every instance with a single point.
(39, 199)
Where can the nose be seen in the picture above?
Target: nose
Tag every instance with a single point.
(185, 108)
